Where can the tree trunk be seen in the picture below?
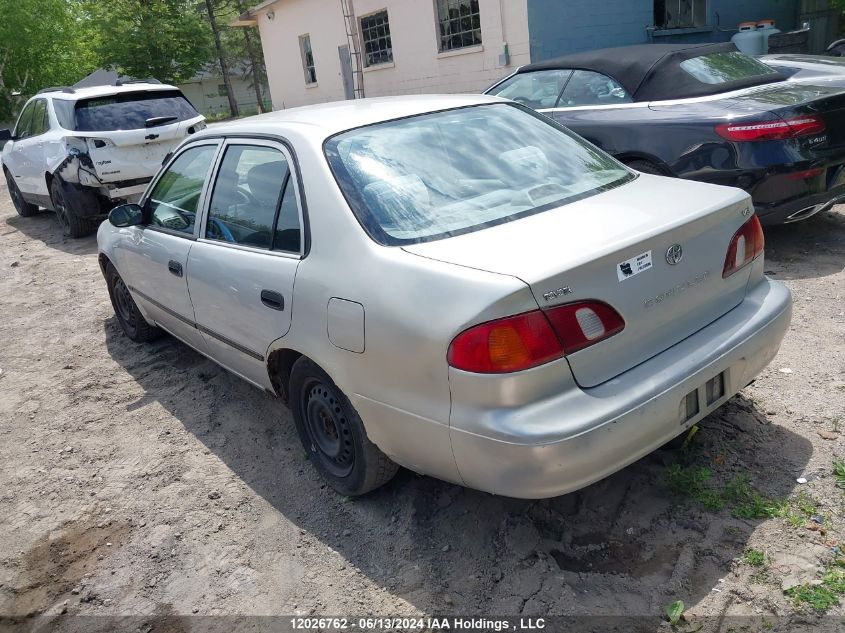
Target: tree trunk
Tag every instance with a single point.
(221, 56)
(254, 63)
(256, 74)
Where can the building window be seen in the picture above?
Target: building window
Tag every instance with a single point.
(680, 14)
(460, 24)
(375, 34)
(307, 59)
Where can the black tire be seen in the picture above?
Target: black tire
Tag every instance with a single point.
(73, 225)
(134, 324)
(25, 209)
(333, 434)
(647, 167)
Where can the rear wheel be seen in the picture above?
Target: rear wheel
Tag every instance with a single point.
(333, 434)
(24, 208)
(647, 167)
(73, 225)
(134, 324)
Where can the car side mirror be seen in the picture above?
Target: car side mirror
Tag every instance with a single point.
(126, 215)
(5, 135)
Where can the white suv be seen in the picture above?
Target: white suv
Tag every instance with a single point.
(79, 152)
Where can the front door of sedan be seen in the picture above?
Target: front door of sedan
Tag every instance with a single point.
(241, 269)
(153, 258)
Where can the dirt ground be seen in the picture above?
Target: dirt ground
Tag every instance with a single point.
(144, 480)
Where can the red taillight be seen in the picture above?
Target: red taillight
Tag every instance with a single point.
(579, 325)
(806, 174)
(746, 244)
(526, 340)
(505, 345)
(771, 130)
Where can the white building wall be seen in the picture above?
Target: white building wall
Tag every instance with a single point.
(206, 97)
(418, 66)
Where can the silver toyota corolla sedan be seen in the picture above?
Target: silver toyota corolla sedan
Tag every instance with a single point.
(455, 284)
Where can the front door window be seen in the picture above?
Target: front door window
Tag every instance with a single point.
(174, 199)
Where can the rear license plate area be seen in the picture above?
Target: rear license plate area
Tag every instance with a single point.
(714, 389)
(708, 395)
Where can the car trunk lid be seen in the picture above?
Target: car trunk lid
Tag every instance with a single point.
(613, 248)
(131, 154)
(789, 100)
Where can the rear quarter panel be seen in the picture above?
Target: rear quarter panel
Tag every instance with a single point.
(680, 136)
(413, 307)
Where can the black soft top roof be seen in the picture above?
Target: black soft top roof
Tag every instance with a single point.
(652, 72)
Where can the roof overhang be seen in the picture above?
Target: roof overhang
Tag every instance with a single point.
(250, 16)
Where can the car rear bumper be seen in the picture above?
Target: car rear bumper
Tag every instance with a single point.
(605, 428)
(801, 209)
(786, 197)
(132, 193)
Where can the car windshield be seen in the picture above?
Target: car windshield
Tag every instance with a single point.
(725, 67)
(437, 175)
(125, 111)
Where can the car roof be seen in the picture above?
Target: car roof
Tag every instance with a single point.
(327, 119)
(74, 94)
(651, 72)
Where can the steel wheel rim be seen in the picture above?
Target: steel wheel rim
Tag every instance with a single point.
(124, 304)
(329, 430)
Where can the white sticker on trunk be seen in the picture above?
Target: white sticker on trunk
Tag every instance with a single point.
(633, 266)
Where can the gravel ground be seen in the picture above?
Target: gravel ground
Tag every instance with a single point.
(145, 480)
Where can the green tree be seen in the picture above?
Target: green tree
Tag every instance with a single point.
(168, 40)
(42, 44)
(238, 50)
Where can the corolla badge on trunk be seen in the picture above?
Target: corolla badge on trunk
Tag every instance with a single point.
(674, 254)
(677, 290)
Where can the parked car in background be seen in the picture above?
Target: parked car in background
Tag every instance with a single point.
(808, 68)
(452, 283)
(702, 112)
(79, 152)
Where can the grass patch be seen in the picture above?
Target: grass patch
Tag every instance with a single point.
(739, 495)
(839, 473)
(824, 596)
(755, 558)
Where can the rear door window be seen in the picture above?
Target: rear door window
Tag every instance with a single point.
(254, 203)
(720, 68)
(40, 122)
(132, 111)
(174, 199)
(591, 88)
(537, 90)
(22, 129)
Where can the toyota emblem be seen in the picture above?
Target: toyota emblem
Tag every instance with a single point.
(674, 254)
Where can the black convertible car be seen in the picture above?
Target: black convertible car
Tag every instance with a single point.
(704, 112)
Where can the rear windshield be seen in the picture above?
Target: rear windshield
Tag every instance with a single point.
(720, 68)
(125, 111)
(442, 174)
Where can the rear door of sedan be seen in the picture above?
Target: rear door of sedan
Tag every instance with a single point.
(241, 269)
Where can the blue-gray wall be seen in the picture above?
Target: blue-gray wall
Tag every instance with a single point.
(558, 27)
